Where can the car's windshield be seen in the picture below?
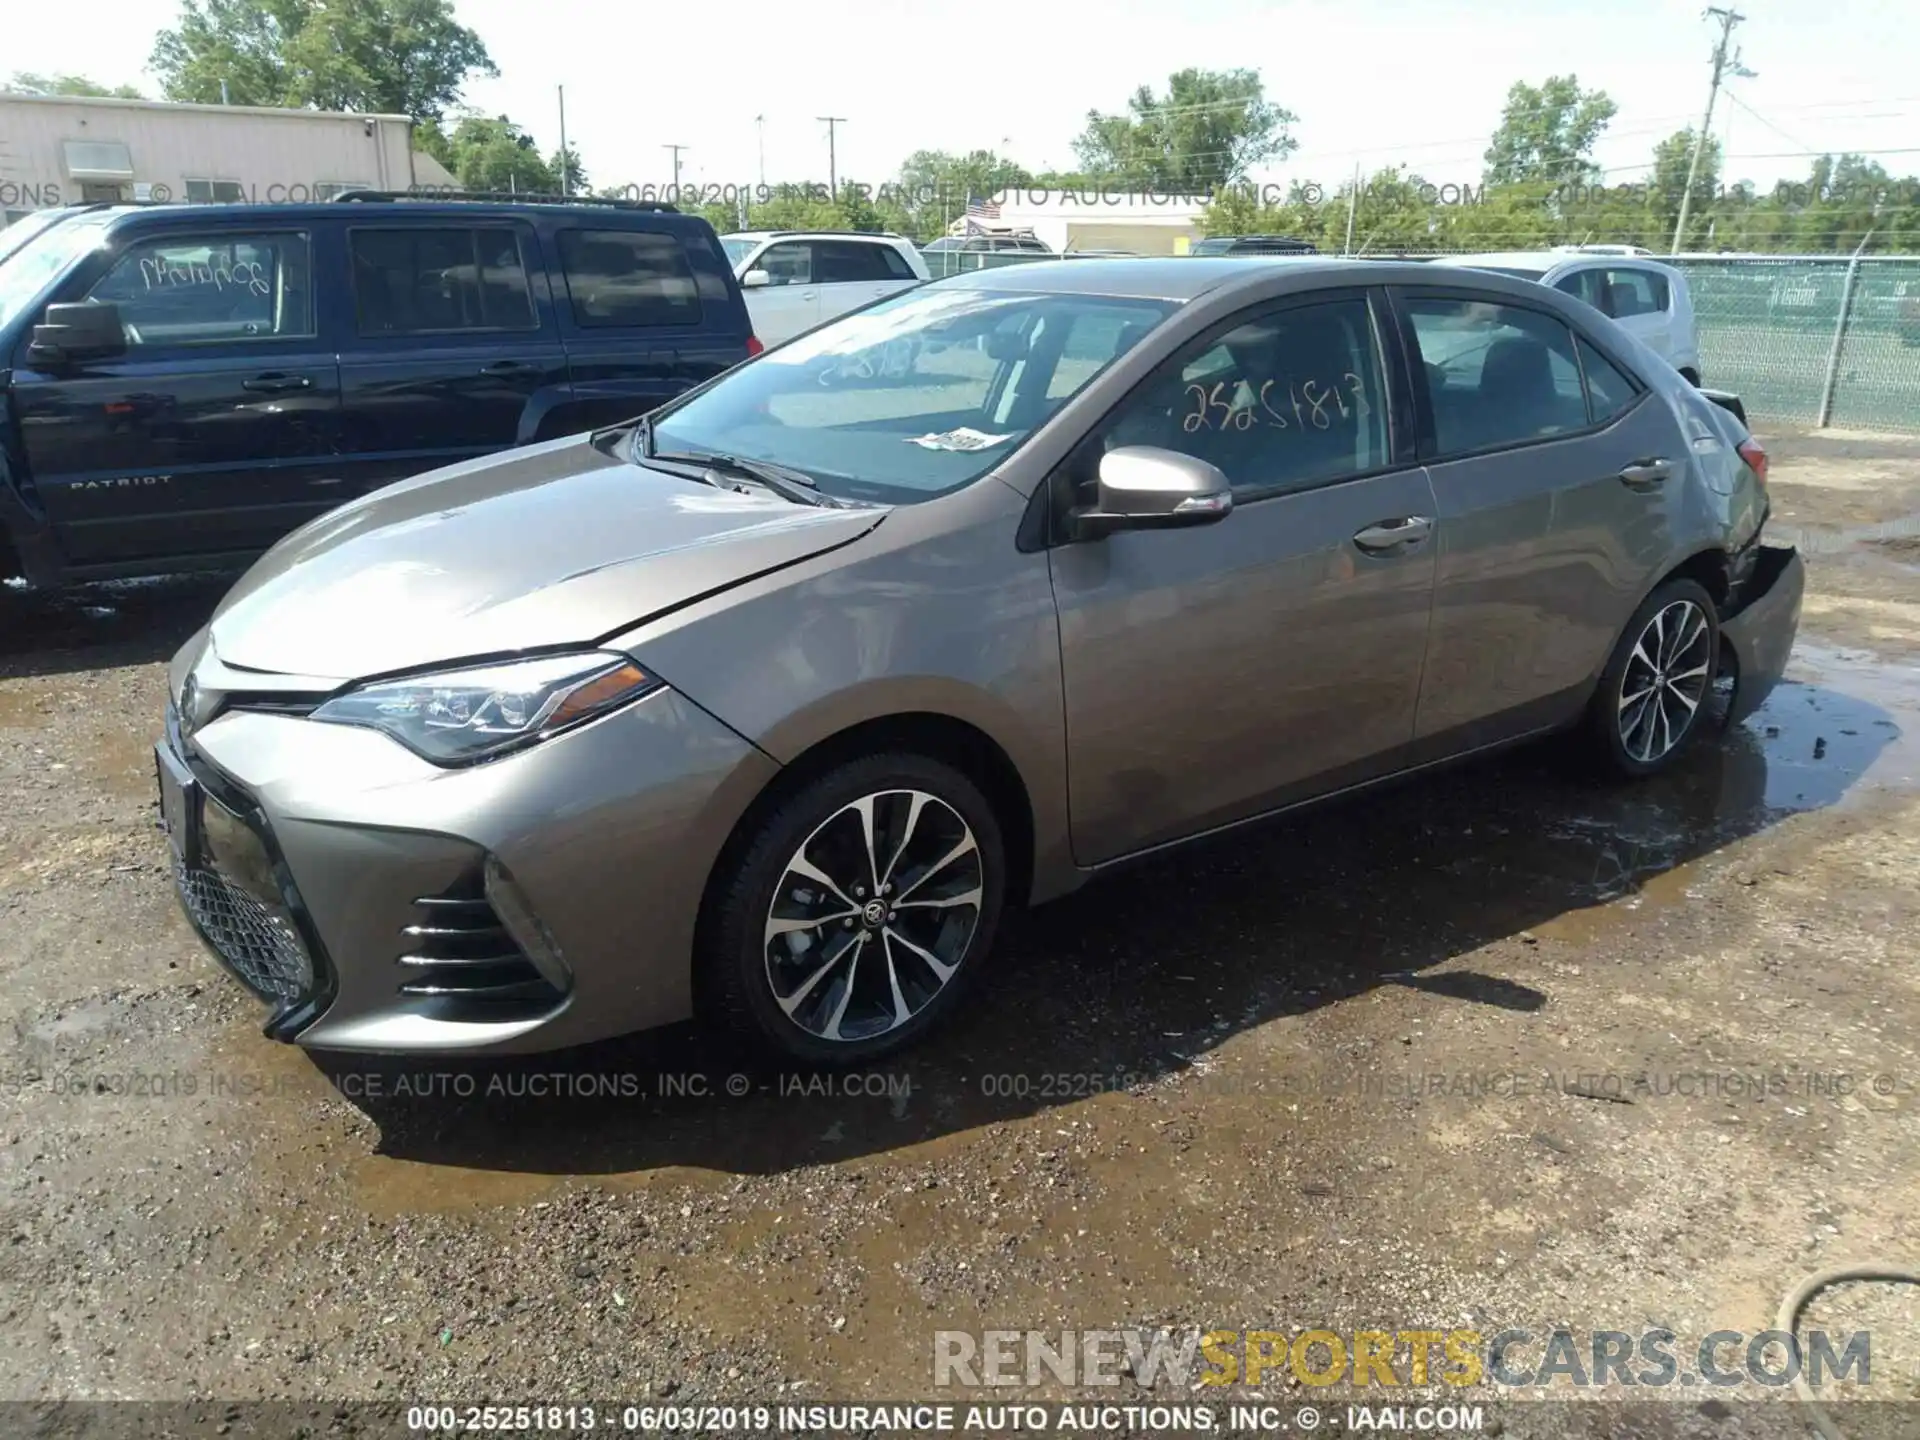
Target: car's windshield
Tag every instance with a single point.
(21, 231)
(915, 396)
(947, 242)
(737, 250)
(29, 269)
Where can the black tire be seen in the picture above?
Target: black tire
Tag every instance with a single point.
(1623, 749)
(734, 972)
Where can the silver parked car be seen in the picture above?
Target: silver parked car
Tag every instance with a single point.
(767, 706)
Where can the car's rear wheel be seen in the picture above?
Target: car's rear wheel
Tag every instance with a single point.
(1654, 695)
(851, 918)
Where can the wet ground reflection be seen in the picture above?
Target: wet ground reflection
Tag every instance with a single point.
(1138, 977)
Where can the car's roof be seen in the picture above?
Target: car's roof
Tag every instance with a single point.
(876, 236)
(1183, 277)
(246, 213)
(1551, 259)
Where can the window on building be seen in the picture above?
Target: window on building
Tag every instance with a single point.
(98, 159)
(215, 192)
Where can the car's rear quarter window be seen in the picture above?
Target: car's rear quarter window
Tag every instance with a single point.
(628, 277)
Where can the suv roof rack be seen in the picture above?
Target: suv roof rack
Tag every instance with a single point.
(513, 197)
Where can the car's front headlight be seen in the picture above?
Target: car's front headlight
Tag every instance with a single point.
(456, 717)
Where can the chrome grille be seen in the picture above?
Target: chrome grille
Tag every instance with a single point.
(457, 947)
(257, 944)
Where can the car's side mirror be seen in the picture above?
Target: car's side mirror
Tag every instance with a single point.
(755, 279)
(90, 330)
(1143, 487)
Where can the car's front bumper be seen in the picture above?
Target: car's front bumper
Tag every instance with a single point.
(1762, 630)
(544, 899)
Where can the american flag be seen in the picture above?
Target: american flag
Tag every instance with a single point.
(978, 209)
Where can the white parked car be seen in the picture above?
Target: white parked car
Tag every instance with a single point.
(794, 280)
(1647, 297)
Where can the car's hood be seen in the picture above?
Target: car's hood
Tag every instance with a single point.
(548, 545)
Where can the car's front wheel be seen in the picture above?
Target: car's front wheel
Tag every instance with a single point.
(1656, 691)
(854, 914)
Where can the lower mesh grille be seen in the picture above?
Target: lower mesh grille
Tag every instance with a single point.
(260, 946)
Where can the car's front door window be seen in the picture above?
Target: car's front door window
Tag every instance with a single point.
(787, 264)
(217, 288)
(1283, 401)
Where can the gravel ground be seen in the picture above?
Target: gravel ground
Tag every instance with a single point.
(1299, 1079)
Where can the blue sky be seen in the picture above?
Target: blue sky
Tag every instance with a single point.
(1372, 81)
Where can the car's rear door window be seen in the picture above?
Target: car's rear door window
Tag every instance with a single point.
(1634, 291)
(846, 261)
(628, 277)
(1497, 375)
(213, 288)
(424, 281)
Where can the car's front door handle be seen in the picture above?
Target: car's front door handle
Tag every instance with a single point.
(1644, 473)
(277, 384)
(506, 367)
(1405, 532)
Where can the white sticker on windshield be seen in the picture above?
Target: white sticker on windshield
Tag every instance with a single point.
(961, 439)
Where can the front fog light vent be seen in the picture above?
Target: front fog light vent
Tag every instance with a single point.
(459, 948)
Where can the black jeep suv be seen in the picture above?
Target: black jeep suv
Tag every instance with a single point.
(181, 385)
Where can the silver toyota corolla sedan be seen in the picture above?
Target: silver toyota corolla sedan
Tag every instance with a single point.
(765, 707)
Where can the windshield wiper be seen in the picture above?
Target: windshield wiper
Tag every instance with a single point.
(787, 483)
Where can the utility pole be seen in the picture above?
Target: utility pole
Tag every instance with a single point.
(760, 124)
(566, 160)
(1728, 19)
(833, 167)
(676, 149)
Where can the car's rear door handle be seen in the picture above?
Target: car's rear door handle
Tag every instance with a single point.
(1405, 532)
(274, 383)
(1644, 473)
(506, 367)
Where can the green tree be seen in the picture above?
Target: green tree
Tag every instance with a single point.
(1208, 130)
(569, 175)
(933, 187)
(27, 82)
(1672, 158)
(492, 153)
(1547, 133)
(396, 57)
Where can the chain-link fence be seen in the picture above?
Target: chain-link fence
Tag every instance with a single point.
(1812, 339)
(1770, 330)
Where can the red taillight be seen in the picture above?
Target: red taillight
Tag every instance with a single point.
(1756, 458)
(754, 347)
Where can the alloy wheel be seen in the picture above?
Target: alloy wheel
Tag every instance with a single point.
(873, 915)
(1667, 675)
